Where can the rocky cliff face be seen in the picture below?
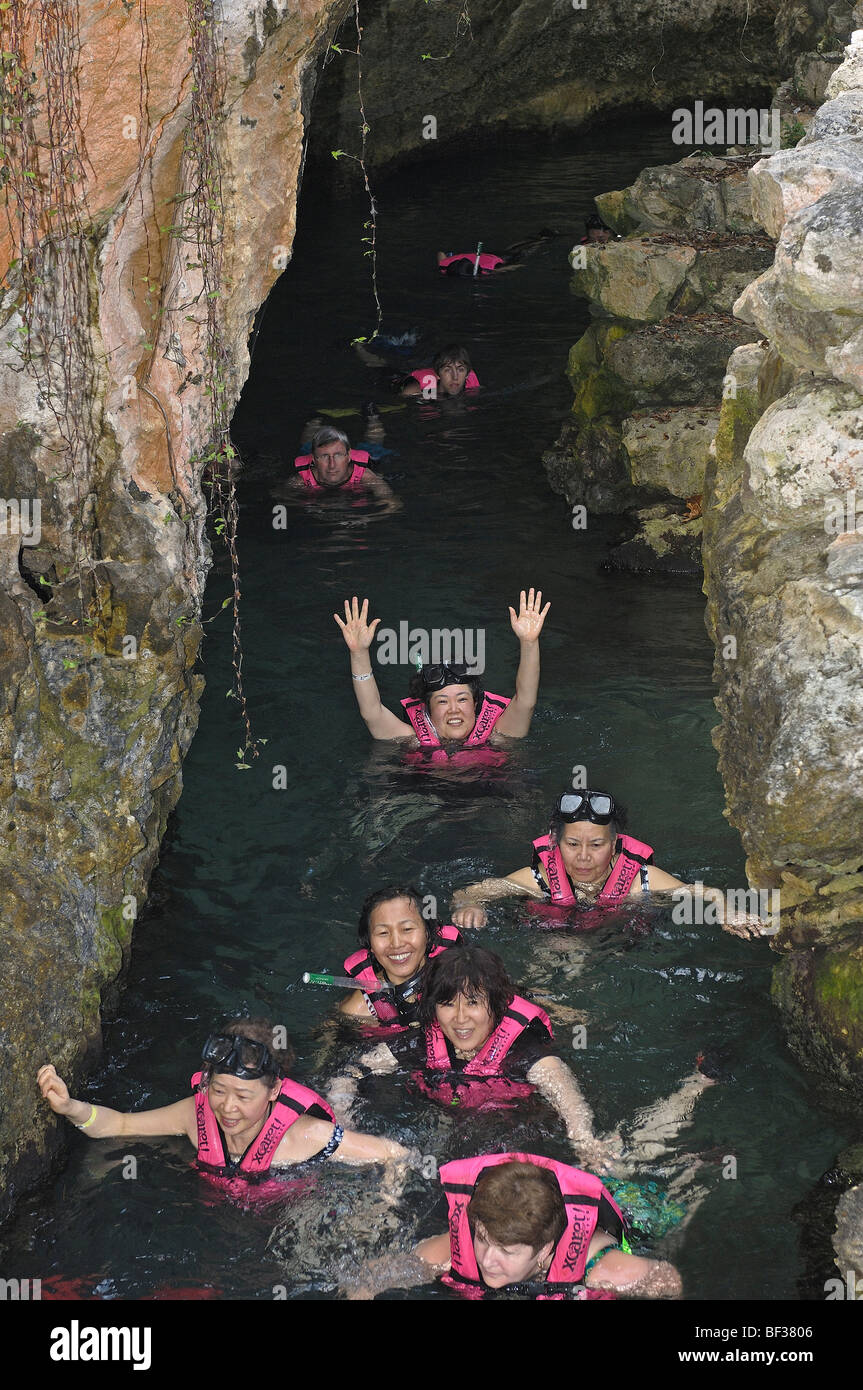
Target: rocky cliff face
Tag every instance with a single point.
(114, 330)
(535, 65)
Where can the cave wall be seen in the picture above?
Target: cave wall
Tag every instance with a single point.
(99, 621)
(534, 65)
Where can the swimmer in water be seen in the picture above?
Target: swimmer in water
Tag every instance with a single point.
(395, 943)
(241, 1096)
(447, 707)
(483, 1046)
(450, 374)
(525, 1224)
(333, 467)
(586, 859)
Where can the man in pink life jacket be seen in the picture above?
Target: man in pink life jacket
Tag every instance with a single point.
(484, 1046)
(521, 1223)
(395, 943)
(245, 1115)
(451, 374)
(333, 466)
(586, 859)
(447, 710)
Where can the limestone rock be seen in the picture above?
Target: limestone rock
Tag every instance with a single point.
(681, 361)
(792, 180)
(702, 193)
(669, 448)
(664, 543)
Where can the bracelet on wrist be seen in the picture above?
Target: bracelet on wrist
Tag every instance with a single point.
(366, 676)
(87, 1123)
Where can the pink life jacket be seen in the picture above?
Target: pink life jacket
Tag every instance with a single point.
(427, 376)
(632, 857)
(501, 1090)
(303, 464)
(361, 966)
(487, 261)
(490, 712)
(587, 1202)
(292, 1101)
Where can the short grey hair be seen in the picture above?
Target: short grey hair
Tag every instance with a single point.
(329, 435)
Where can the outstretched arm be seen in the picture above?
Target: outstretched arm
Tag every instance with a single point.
(358, 633)
(527, 625)
(99, 1122)
(468, 903)
(636, 1276)
(716, 911)
(553, 1079)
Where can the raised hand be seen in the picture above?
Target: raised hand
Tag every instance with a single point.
(54, 1089)
(527, 623)
(357, 631)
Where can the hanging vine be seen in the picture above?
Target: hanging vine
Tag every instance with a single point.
(50, 276)
(462, 30)
(203, 221)
(371, 226)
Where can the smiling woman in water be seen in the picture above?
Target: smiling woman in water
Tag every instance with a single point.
(245, 1115)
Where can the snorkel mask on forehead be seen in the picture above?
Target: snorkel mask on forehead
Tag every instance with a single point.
(238, 1056)
(597, 807)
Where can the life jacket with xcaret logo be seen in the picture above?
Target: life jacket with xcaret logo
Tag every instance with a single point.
(482, 1082)
(428, 377)
(487, 261)
(386, 1005)
(292, 1101)
(588, 1205)
(470, 750)
(633, 855)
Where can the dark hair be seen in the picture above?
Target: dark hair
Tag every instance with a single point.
(595, 223)
(386, 895)
(467, 970)
(616, 825)
(453, 352)
(518, 1204)
(417, 689)
(261, 1030)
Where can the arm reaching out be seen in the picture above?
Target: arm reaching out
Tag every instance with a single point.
(553, 1079)
(469, 903)
(359, 633)
(527, 625)
(98, 1122)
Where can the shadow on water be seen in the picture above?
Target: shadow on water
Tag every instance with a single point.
(257, 885)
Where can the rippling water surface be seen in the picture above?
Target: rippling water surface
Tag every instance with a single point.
(256, 885)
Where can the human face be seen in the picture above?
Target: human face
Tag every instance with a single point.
(500, 1265)
(332, 464)
(452, 711)
(398, 938)
(466, 1021)
(587, 850)
(240, 1107)
(452, 377)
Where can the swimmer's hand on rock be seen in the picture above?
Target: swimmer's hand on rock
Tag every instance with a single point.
(747, 925)
(54, 1090)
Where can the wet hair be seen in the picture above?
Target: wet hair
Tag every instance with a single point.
(594, 223)
(386, 895)
(467, 970)
(328, 434)
(518, 1204)
(616, 825)
(454, 352)
(461, 267)
(261, 1030)
(417, 689)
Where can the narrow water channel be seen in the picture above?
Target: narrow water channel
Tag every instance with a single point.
(256, 885)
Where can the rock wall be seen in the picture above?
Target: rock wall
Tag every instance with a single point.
(105, 363)
(534, 65)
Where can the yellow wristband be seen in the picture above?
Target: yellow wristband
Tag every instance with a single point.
(88, 1122)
